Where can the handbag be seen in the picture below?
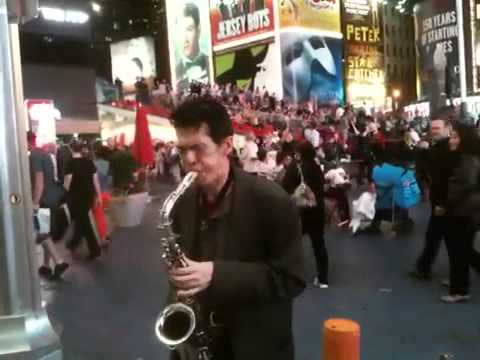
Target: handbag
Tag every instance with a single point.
(43, 221)
(303, 196)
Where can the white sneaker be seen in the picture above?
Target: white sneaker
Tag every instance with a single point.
(445, 282)
(453, 299)
(319, 284)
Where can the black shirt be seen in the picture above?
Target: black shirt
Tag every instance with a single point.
(82, 189)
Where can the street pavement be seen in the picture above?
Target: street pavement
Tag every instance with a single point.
(106, 309)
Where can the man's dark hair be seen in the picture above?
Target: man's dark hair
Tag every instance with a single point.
(445, 113)
(191, 10)
(76, 146)
(194, 112)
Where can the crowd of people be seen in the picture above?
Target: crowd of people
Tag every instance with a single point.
(72, 185)
(336, 150)
(249, 145)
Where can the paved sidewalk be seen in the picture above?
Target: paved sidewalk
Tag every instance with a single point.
(106, 310)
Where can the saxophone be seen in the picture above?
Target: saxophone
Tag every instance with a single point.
(179, 321)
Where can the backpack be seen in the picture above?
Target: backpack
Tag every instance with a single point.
(408, 193)
(303, 196)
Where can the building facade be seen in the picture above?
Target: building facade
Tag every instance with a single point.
(400, 56)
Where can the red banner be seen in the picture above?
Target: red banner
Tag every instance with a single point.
(238, 20)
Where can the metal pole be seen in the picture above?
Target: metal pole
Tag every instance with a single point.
(25, 331)
(461, 51)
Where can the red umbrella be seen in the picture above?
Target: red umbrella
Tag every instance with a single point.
(142, 148)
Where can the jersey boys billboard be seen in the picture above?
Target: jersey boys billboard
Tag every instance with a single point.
(235, 22)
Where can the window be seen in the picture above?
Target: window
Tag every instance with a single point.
(394, 50)
(387, 50)
(388, 70)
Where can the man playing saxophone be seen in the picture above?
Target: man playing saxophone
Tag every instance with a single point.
(241, 238)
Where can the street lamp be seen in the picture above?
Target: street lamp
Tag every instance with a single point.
(396, 95)
(96, 7)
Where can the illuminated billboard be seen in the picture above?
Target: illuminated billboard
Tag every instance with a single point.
(236, 22)
(320, 15)
(312, 67)
(437, 50)
(250, 68)
(189, 42)
(364, 58)
(132, 59)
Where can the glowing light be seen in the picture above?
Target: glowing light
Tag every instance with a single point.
(96, 7)
(64, 16)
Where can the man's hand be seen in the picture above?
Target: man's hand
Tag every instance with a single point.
(423, 145)
(192, 279)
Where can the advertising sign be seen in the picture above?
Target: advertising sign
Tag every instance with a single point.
(437, 50)
(364, 60)
(133, 59)
(41, 117)
(312, 67)
(323, 15)
(189, 42)
(475, 5)
(233, 21)
(250, 68)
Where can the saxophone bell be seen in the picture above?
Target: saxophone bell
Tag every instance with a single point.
(175, 324)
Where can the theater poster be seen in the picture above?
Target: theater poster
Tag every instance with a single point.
(251, 67)
(236, 22)
(364, 54)
(320, 15)
(133, 59)
(437, 50)
(475, 5)
(189, 42)
(312, 67)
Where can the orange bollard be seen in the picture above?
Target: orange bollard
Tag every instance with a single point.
(341, 340)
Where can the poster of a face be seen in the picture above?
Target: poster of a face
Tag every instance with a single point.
(312, 14)
(133, 59)
(189, 41)
(250, 68)
(437, 46)
(312, 67)
(236, 20)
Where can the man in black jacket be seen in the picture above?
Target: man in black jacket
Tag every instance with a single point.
(438, 163)
(241, 235)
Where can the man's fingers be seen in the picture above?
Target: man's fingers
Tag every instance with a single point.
(181, 271)
(188, 293)
(185, 282)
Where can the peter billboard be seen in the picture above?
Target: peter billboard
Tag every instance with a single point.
(364, 68)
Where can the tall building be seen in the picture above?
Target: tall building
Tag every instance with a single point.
(158, 24)
(400, 58)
